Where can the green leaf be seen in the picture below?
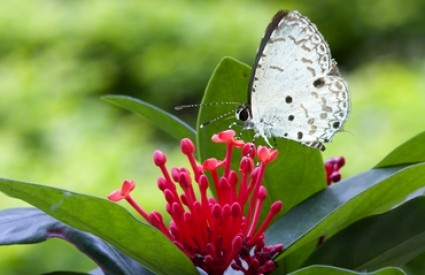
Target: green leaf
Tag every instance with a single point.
(297, 173)
(329, 270)
(390, 239)
(65, 273)
(295, 260)
(416, 266)
(30, 225)
(107, 220)
(227, 84)
(341, 204)
(165, 121)
(412, 151)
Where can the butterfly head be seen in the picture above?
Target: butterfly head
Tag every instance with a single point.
(243, 113)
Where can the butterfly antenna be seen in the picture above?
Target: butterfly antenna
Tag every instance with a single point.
(181, 107)
(225, 116)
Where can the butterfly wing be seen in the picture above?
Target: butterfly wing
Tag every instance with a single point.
(296, 89)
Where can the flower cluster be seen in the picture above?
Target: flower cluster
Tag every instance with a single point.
(332, 167)
(222, 231)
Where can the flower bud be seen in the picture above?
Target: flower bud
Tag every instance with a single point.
(159, 158)
(187, 146)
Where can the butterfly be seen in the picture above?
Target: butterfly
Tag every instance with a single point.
(296, 90)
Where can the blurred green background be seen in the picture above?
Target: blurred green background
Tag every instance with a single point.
(58, 57)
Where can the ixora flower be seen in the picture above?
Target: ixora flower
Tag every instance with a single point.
(214, 231)
(332, 167)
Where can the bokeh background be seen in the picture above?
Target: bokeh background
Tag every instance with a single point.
(57, 58)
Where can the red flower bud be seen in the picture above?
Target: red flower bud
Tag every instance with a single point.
(187, 146)
(159, 158)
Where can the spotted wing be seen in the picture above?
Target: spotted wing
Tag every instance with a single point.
(296, 89)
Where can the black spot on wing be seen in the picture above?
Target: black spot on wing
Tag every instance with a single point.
(318, 83)
(288, 99)
(300, 135)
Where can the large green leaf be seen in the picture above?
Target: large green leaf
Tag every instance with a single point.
(412, 151)
(69, 273)
(298, 171)
(227, 84)
(30, 225)
(416, 266)
(390, 239)
(341, 204)
(159, 118)
(106, 220)
(329, 270)
(294, 260)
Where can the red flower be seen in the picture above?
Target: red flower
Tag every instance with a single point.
(266, 154)
(214, 231)
(124, 192)
(332, 167)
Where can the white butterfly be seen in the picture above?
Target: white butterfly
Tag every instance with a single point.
(295, 91)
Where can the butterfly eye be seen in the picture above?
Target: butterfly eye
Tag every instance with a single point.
(242, 113)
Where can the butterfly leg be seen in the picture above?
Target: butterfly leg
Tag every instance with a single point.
(268, 142)
(236, 123)
(265, 139)
(275, 141)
